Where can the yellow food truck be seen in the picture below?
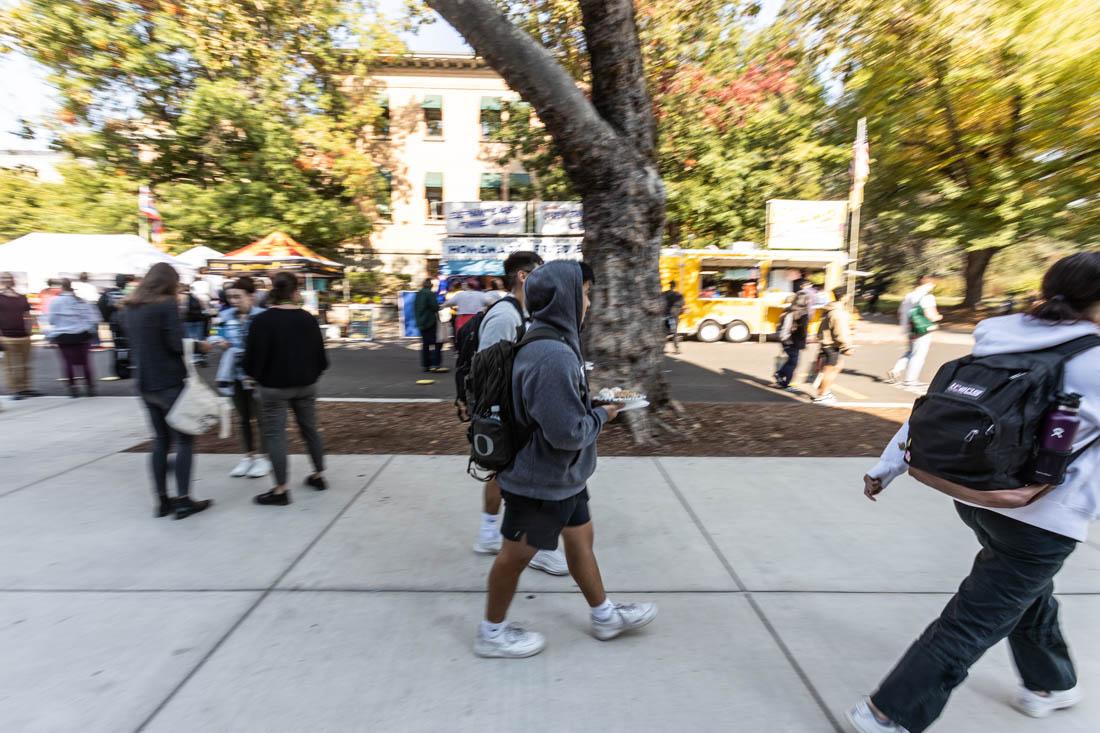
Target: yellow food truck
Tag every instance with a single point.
(740, 292)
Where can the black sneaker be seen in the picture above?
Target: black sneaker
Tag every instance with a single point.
(31, 393)
(164, 507)
(186, 506)
(270, 498)
(317, 482)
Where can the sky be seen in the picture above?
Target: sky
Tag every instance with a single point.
(26, 93)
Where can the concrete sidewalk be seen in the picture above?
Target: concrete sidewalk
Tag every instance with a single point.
(784, 596)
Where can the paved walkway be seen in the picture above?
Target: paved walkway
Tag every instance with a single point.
(784, 596)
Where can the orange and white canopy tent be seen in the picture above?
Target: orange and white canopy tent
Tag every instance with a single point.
(277, 251)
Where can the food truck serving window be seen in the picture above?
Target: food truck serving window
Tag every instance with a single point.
(735, 282)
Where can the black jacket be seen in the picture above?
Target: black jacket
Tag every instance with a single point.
(156, 342)
(285, 349)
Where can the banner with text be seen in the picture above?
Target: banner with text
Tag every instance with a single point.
(559, 218)
(485, 217)
(485, 255)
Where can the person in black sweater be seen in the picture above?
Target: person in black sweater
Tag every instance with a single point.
(152, 323)
(285, 355)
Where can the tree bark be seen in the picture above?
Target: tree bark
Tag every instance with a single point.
(975, 265)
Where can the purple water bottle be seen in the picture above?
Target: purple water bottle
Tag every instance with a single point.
(1056, 440)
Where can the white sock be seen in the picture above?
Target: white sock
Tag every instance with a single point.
(490, 630)
(603, 611)
(488, 522)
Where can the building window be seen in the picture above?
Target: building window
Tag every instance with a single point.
(384, 197)
(490, 117)
(433, 194)
(491, 187)
(520, 187)
(433, 116)
(382, 118)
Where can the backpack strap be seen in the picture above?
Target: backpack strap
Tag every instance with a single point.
(1070, 349)
(545, 333)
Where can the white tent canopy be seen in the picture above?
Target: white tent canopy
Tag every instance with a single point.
(198, 256)
(35, 258)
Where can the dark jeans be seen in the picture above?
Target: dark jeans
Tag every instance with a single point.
(1009, 592)
(429, 358)
(303, 400)
(76, 356)
(159, 404)
(786, 372)
(249, 409)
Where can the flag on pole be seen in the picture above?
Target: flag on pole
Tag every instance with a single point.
(147, 208)
(861, 164)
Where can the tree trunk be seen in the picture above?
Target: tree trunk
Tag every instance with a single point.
(977, 261)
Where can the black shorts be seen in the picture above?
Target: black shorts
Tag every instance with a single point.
(830, 356)
(542, 521)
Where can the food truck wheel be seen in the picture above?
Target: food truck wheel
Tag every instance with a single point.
(738, 332)
(709, 332)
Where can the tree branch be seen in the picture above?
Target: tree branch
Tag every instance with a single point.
(952, 122)
(619, 86)
(585, 139)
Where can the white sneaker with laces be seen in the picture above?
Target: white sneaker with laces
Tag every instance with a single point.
(513, 642)
(863, 720)
(551, 562)
(260, 468)
(488, 544)
(625, 617)
(1035, 705)
(826, 399)
(242, 468)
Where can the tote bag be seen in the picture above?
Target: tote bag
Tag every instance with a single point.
(198, 408)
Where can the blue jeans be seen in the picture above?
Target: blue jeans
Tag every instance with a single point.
(786, 372)
(195, 330)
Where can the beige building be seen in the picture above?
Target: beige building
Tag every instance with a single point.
(440, 111)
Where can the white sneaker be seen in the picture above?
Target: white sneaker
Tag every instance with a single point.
(826, 399)
(488, 544)
(862, 720)
(625, 617)
(260, 468)
(1039, 706)
(242, 468)
(551, 562)
(514, 642)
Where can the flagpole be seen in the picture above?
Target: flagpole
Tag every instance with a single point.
(860, 169)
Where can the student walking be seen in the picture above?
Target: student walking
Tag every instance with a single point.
(15, 336)
(232, 337)
(508, 322)
(545, 490)
(674, 306)
(285, 354)
(794, 331)
(426, 312)
(152, 322)
(918, 317)
(73, 323)
(835, 334)
(1010, 589)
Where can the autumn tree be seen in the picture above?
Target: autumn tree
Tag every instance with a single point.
(982, 119)
(607, 138)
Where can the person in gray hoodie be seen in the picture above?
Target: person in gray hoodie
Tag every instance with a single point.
(1010, 589)
(545, 489)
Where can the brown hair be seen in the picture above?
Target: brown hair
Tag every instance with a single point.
(1070, 287)
(161, 283)
(283, 287)
(66, 285)
(245, 283)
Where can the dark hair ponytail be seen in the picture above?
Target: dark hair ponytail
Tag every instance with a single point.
(283, 287)
(1070, 287)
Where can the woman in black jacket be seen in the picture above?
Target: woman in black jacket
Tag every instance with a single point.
(285, 355)
(156, 337)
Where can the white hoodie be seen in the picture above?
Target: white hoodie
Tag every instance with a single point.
(1068, 509)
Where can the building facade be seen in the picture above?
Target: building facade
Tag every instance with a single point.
(433, 139)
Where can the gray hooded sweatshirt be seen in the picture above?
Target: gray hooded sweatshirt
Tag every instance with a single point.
(550, 392)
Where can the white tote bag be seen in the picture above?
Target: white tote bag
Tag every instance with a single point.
(198, 408)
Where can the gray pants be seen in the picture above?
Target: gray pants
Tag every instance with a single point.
(303, 400)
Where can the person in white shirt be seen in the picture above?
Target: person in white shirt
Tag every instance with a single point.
(467, 304)
(1010, 589)
(85, 290)
(911, 363)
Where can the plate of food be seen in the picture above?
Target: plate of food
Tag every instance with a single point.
(629, 399)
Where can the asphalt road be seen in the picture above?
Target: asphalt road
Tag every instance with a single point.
(720, 372)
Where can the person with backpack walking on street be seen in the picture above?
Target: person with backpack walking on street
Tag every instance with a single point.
(835, 335)
(545, 487)
(918, 317)
(673, 302)
(110, 306)
(506, 320)
(426, 313)
(794, 331)
(1027, 373)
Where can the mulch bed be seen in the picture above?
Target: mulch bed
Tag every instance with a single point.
(702, 429)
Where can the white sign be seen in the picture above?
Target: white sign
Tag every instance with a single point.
(559, 218)
(806, 224)
(498, 248)
(486, 217)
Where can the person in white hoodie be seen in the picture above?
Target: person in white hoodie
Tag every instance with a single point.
(909, 366)
(1010, 589)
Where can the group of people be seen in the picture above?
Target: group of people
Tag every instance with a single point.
(459, 306)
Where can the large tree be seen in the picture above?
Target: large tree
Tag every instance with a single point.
(237, 111)
(982, 118)
(607, 139)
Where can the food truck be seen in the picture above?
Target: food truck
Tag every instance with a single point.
(741, 292)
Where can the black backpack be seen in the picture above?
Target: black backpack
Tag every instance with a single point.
(494, 437)
(978, 426)
(467, 340)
